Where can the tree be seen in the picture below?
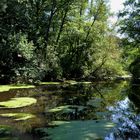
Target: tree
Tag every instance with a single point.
(130, 27)
(130, 21)
(85, 41)
(55, 39)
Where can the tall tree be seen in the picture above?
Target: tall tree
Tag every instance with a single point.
(130, 27)
(130, 23)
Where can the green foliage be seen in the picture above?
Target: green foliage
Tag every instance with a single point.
(130, 23)
(49, 40)
(53, 68)
(86, 49)
(130, 27)
(135, 68)
(3, 5)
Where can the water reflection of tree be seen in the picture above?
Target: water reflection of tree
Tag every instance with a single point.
(94, 97)
(134, 95)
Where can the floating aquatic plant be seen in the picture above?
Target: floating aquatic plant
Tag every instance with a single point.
(50, 83)
(78, 130)
(18, 102)
(67, 108)
(8, 87)
(18, 116)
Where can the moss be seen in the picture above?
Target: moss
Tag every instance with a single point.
(18, 116)
(8, 87)
(18, 102)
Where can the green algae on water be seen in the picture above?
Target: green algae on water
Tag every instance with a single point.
(78, 130)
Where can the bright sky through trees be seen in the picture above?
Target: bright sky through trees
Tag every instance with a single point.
(116, 5)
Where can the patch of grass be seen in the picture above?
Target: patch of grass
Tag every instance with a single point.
(18, 102)
(8, 87)
(18, 116)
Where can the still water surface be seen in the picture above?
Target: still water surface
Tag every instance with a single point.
(80, 111)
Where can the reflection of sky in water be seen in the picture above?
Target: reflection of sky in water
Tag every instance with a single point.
(128, 123)
(120, 110)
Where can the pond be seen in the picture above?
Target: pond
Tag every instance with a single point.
(78, 111)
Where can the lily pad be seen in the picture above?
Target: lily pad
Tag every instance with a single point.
(8, 87)
(86, 82)
(70, 82)
(67, 108)
(60, 108)
(79, 130)
(50, 83)
(95, 102)
(18, 116)
(18, 102)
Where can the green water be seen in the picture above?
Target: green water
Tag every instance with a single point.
(78, 111)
